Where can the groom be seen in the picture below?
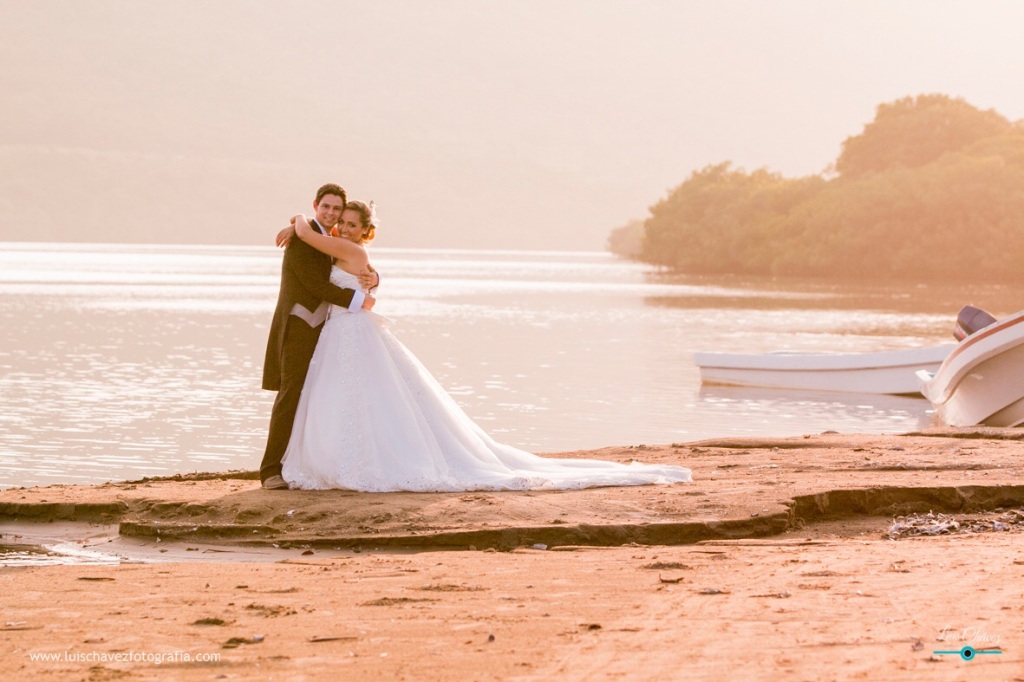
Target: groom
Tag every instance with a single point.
(302, 304)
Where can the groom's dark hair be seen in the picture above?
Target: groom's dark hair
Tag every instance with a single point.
(330, 188)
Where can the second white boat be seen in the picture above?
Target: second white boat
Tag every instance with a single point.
(886, 372)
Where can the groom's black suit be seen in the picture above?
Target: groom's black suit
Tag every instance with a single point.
(305, 280)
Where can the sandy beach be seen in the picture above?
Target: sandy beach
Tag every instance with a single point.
(776, 563)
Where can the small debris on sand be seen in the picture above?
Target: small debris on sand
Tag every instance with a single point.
(914, 525)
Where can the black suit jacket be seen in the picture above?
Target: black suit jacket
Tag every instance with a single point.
(305, 279)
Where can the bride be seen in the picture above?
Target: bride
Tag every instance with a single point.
(372, 418)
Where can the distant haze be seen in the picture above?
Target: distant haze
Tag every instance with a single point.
(520, 124)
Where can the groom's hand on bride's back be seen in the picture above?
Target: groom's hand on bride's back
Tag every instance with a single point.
(368, 302)
(368, 278)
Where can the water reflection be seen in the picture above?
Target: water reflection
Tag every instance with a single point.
(759, 410)
(62, 554)
(792, 294)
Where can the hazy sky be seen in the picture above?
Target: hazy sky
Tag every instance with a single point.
(520, 123)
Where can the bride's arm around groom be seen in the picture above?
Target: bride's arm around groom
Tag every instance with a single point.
(347, 251)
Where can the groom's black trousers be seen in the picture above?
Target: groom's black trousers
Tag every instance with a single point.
(296, 351)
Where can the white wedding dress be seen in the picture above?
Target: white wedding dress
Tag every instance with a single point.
(372, 418)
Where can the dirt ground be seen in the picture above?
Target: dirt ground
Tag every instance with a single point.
(774, 564)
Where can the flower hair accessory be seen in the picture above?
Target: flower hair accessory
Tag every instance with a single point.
(374, 221)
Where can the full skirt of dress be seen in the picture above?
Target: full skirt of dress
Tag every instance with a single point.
(372, 418)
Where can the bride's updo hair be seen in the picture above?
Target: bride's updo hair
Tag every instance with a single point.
(367, 217)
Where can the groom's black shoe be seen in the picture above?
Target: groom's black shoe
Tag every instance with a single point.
(275, 483)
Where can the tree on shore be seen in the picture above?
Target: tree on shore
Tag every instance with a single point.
(915, 131)
(628, 240)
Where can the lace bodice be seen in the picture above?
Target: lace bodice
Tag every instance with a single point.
(343, 279)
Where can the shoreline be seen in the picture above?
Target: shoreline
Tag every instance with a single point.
(775, 559)
(742, 488)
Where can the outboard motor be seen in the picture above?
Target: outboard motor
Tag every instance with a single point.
(970, 320)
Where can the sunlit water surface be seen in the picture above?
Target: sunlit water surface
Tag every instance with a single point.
(122, 361)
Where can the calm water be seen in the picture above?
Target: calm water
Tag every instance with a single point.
(124, 361)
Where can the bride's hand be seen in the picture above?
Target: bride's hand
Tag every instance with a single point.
(285, 236)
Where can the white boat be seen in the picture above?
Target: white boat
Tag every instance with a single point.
(885, 372)
(982, 380)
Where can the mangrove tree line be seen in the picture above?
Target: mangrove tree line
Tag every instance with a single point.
(932, 189)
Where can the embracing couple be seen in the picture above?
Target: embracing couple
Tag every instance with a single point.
(356, 410)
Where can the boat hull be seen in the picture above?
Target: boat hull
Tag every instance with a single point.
(982, 380)
(889, 372)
